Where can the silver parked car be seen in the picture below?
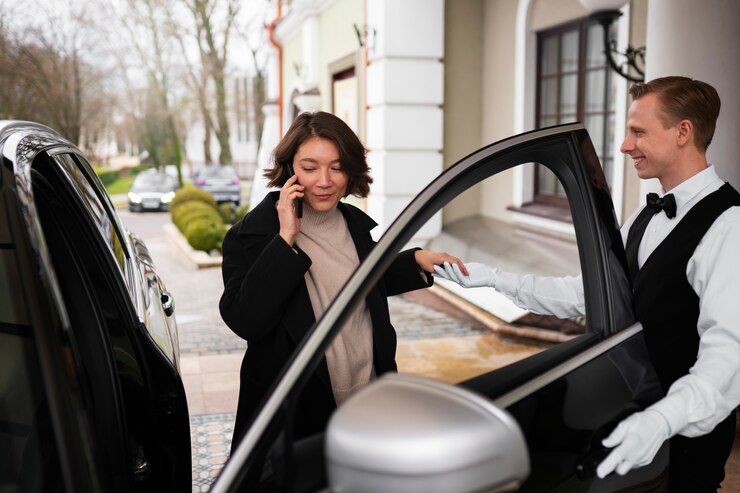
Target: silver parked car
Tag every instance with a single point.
(152, 190)
(221, 181)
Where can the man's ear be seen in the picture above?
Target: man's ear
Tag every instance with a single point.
(685, 133)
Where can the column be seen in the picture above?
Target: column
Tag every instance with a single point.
(405, 93)
(701, 40)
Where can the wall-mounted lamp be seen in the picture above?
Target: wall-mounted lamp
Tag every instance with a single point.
(605, 12)
(365, 35)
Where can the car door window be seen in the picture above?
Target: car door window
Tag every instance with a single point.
(455, 333)
(29, 454)
(92, 201)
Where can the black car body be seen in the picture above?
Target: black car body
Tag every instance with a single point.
(534, 425)
(90, 396)
(221, 181)
(152, 190)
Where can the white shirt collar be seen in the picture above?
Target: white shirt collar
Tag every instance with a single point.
(688, 189)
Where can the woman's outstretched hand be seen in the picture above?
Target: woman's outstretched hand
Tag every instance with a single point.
(428, 260)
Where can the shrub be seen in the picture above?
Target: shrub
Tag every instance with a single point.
(204, 235)
(194, 210)
(190, 193)
(228, 212)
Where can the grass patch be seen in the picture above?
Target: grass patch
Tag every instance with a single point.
(120, 185)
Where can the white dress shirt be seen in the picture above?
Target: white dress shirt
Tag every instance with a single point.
(698, 401)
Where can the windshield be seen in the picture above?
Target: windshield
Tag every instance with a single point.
(152, 179)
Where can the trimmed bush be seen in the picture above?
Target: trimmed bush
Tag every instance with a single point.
(227, 211)
(190, 193)
(187, 212)
(204, 235)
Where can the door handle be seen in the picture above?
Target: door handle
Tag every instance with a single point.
(168, 303)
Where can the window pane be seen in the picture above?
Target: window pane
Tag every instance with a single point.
(595, 88)
(595, 46)
(549, 56)
(549, 96)
(548, 121)
(568, 94)
(438, 342)
(27, 445)
(569, 52)
(595, 126)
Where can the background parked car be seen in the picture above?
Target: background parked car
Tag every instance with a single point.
(152, 190)
(220, 181)
(91, 398)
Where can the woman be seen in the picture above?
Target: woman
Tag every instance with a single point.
(281, 272)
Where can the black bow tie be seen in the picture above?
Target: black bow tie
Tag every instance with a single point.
(665, 203)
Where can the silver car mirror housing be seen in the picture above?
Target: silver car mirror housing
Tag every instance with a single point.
(409, 433)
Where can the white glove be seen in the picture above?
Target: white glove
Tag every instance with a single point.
(638, 438)
(480, 274)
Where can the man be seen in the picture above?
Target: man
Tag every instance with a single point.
(686, 280)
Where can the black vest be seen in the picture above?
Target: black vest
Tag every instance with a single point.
(665, 302)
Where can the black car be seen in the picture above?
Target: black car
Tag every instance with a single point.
(90, 393)
(534, 425)
(221, 181)
(152, 190)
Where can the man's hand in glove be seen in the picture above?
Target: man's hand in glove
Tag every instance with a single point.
(479, 274)
(637, 440)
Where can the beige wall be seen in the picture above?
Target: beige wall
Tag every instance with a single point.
(638, 31)
(462, 96)
(498, 96)
(549, 13)
(479, 94)
(338, 39)
(292, 56)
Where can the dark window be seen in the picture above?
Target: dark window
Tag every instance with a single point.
(29, 454)
(96, 209)
(574, 83)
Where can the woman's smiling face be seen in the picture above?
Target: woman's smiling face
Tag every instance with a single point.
(317, 167)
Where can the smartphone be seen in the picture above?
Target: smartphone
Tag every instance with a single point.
(297, 203)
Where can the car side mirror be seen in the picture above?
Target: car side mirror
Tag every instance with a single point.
(411, 433)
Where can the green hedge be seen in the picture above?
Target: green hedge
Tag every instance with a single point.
(192, 193)
(203, 223)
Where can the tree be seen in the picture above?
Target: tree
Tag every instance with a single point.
(46, 74)
(214, 20)
(154, 47)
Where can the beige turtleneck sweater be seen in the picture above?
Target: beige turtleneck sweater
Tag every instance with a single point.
(325, 238)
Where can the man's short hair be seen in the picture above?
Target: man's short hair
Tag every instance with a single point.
(682, 98)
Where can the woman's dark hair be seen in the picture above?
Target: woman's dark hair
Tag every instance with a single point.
(325, 126)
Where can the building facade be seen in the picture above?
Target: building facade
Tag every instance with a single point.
(426, 82)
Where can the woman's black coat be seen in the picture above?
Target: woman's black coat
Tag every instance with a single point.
(265, 301)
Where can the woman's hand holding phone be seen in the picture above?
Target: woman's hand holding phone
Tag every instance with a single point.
(287, 207)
